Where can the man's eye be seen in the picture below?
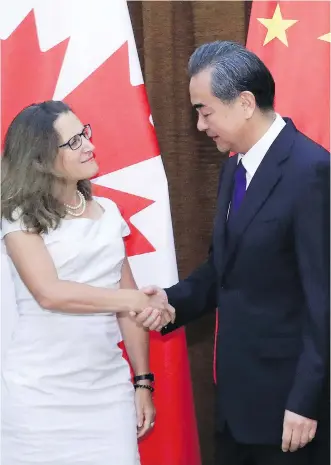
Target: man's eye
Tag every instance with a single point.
(205, 116)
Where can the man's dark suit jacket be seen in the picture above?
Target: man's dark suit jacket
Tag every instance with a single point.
(269, 277)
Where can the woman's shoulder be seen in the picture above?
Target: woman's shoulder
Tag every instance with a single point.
(111, 207)
(13, 224)
(106, 203)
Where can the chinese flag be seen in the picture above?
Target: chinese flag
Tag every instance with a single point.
(293, 39)
(84, 53)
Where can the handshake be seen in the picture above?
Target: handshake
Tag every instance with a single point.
(153, 310)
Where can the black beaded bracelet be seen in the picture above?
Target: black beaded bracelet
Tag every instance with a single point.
(147, 376)
(144, 386)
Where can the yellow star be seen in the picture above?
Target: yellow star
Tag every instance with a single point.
(277, 26)
(326, 37)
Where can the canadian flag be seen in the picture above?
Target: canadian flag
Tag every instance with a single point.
(84, 53)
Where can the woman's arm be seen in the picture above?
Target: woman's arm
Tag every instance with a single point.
(36, 269)
(136, 338)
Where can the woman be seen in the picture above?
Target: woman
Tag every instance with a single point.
(67, 393)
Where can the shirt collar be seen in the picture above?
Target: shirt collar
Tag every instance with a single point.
(252, 159)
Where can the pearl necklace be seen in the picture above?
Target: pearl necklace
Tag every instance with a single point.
(72, 210)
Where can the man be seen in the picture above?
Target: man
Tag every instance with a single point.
(268, 266)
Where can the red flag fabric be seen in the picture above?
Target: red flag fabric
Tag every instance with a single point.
(293, 39)
(84, 53)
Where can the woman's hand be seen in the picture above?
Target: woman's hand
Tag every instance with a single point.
(151, 317)
(140, 301)
(145, 411)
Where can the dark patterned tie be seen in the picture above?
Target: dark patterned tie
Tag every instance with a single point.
(239, 189)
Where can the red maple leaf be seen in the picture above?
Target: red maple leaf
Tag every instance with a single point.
(118, 111)
(129, 205)
(22, 62)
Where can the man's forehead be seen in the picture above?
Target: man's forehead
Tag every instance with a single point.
(200, 88)
(200, 97)
(203, 78)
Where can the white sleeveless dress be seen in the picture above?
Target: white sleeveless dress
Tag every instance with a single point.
(67, 398)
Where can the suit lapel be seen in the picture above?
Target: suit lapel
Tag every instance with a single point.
(223, 201)
(263, 183)
(225, 192)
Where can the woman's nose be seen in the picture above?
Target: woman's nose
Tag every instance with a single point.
(87, 145)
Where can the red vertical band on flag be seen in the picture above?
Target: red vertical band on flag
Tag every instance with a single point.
(175, 438)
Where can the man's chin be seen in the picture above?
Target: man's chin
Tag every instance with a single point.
(221, 147)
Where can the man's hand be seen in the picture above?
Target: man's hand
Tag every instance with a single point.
(297, 431)
(153, 318)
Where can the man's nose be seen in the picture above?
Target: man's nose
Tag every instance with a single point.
(201, 124)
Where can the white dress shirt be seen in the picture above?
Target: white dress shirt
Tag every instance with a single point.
(252, 159)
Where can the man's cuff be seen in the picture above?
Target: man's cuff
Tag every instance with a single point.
(169, 328)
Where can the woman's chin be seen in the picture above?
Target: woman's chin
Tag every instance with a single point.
(91, 169)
